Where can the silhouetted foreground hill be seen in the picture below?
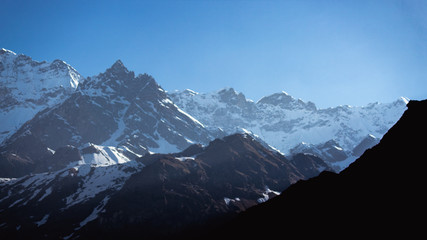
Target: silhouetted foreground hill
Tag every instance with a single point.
(382, 194)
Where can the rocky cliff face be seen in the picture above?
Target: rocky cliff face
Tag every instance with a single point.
(118, 109)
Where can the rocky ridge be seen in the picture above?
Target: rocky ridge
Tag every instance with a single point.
(158, 195)
(28, 86)
(285, 122)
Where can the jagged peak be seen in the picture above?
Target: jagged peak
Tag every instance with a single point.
(404, 99)
(59, 63)
(284, 93)
(118, 63)
(118, 66)
(189, 92)
(243, 137)
(280, 96)
(227, 90)
(6, 51)
(229, 95)
(284, 100)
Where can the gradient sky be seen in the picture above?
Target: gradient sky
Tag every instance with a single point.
(328, 52)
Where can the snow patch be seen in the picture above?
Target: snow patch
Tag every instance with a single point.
(16, 202)
(42, 221)
(183, 159)
(164, 146)
(105, 155)
(94, 214)
(266, 195)
(230, 200)
(46, 193)
(190, 117)
(102, 178)
(121, 126)
(405, 100)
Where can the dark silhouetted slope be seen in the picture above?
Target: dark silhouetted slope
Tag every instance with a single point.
(382, 194)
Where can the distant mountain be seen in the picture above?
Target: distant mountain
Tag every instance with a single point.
(331, 152)
(53, 105)
(284, 122)
(379, 195)
(158, 195)
(115, 108)
(28, 86)
(368, 142)
(83, 149)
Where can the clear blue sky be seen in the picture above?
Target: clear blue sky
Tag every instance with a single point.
(328, 52)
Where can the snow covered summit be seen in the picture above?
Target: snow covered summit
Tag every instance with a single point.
(284, 122)
(120, 109)
(29, 86)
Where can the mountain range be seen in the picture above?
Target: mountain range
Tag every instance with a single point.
(380, 195)
(134, 114)
(116, 108)
(293, 125)
(90, 157)
(150, 194)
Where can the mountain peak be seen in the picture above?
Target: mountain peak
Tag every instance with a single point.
(5, 51)
(118, 66)
(229, 95)
(118, 63)
(404, 99)
(28, 86)
(190, 92)
(286, 101)
(227, 89)
(57, 63)
(284, 93)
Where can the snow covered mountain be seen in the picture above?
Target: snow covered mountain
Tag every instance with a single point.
(76, 155)
(28, 86)
(132, 114)
(378, 196)
(329, 151)
(117, 108)
(147, 195)
(70, 196)
(284, 122)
